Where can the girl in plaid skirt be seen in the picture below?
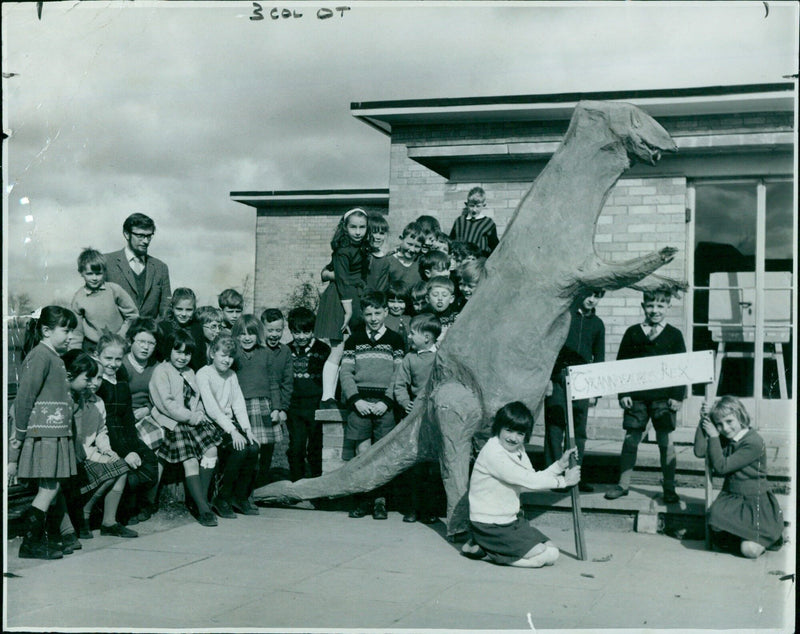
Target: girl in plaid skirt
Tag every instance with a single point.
(100, 471)
(252, 370)
(189, 436)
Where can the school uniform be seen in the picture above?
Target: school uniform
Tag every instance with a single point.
(252, 370)
(100, 463)
(176, 397)
(746, 507)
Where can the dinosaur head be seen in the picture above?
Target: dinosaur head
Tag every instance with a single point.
(642, 136)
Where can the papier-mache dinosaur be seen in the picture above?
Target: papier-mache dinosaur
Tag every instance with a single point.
(504, 343)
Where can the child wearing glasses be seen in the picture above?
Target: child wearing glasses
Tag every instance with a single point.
(208, 323)
(473, 225)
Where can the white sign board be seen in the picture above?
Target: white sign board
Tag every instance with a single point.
(632, 375)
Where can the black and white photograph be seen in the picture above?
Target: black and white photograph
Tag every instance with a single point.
(425, 316)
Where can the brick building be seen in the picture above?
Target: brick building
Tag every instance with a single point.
(726, 200)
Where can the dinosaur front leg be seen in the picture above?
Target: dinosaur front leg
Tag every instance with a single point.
(458, 413)
(634, 273)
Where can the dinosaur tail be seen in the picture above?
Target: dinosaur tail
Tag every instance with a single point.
(393, 454)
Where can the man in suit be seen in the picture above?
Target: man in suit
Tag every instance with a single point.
(145, 278)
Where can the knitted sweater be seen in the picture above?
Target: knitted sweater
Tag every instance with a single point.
(251, 370)
(409, 275)
(222, 398)
(280, 376)
(43, 406)
(307, 364)
(412, 375)
(635, 345)
(368, 368)
(499, 477)
(138, 382)
(107, 308)
(166, 392)
(480, 231)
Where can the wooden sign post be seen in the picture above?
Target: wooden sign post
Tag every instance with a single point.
(600, 379)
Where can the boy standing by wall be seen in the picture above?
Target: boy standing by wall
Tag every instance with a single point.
(308, 358)
(281, 379)
(653, 337)
(372, 354)
(585, 343)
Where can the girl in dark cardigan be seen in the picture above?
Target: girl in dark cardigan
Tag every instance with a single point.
(745, 516)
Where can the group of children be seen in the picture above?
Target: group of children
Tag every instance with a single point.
(100, 414)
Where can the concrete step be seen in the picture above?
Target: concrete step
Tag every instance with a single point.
(644, 502)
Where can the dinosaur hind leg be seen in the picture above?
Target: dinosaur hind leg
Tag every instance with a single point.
(458, 412)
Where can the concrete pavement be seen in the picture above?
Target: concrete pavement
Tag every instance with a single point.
(291, 568)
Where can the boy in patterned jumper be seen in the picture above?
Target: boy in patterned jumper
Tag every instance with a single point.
(308, 358)
(372, 354)
(651, 338)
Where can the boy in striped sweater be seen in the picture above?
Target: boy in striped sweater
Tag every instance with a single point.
(474, 226)
(372, 354)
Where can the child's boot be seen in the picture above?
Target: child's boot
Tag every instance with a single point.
(34, 544)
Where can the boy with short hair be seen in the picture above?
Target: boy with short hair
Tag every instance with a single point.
(441, 295)
(372, 354)
(99, 305)
(653, 337)
(461, 252)
(433, 263)
(419, 298)
(411, 377)
(430, 227)
(280, 373)
(231, 303)
(441, 242)
(473, 225)
(308, 358)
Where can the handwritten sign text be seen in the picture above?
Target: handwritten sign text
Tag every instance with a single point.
(631, 375)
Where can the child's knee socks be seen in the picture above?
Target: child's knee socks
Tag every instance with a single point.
(330, 374)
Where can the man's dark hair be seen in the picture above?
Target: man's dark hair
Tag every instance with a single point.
(138, 221)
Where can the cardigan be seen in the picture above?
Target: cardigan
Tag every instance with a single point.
(743, 463)
(412, 375)
(166, 392)
(498, 478)
(585, 343)
(280, 376)
(222, 398)
(43, 406)
(635, 344)
(106, 308)
(367, 368)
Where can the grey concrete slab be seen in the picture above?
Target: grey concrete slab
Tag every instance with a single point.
(238, 570)
(436, 616)
(377, 584)
(284, 609)
(87, 619)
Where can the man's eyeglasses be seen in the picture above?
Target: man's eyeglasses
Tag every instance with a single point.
(142, 236)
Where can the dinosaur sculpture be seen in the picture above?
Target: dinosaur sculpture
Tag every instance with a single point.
(505, 341)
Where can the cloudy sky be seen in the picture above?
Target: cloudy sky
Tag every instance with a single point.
(165, 108)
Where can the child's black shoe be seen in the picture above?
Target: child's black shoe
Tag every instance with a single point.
(379, 510)
(410, 517)
(223, 508)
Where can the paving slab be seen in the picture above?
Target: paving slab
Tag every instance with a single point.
(319, 569)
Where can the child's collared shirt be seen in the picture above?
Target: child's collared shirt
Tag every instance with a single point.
(107, 307)
(412, 375)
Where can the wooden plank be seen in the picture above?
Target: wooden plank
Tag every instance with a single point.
(577, 516)
(612, 377)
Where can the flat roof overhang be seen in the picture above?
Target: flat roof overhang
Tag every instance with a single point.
(310, 201)
(709, 100)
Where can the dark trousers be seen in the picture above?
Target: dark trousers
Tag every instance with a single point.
(305, 443)
(555, 424)
(236, 470)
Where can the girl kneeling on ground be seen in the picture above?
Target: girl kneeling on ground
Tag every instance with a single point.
(500, 532)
